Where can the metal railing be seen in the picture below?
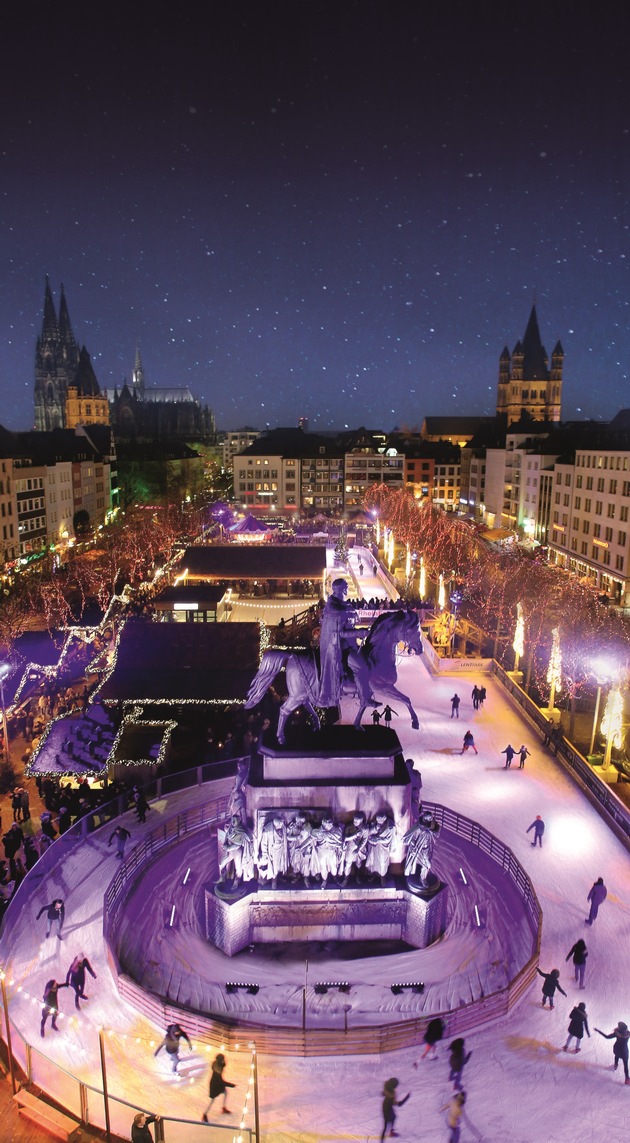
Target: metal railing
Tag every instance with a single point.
(608, 805)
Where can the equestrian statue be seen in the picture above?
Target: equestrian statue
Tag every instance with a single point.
(372, 664)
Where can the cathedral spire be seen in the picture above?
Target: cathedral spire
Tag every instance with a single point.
(137, 378)
(65, 328)
(49, 324)
(535, 362)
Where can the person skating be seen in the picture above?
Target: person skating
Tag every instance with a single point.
(174, 1033)
(597, 895)
(55, 914)
(389, 1103)
(51, 1005)
(75, 978)
(523, 753)
(579, 954)
(455, 1111)
(435, 1030)
(140, 1132)
(552, 982)
(458, 1059)
(121, 834)
(621, 1035)
(509, 754)
(483, 694)
(578, 1025)
(141, 806)
(455, 706)
(387, 715)
(218, 1086)
(538, 827)
(469, 742)
(475, 695)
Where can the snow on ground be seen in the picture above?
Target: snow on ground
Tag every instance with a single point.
(521, 1087)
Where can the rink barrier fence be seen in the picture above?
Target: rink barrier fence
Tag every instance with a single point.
(342, 1038)
(600, 793)
(85, 1102)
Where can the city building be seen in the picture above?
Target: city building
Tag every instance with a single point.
(590, 529)
(368, 459)
(85, 404)
(172, 412)
(432, 471)
(526, 383)
(235, 441)
(452, 430)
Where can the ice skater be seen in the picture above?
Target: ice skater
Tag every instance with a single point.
(509, 754)
(141, 806)
(387, 715)
(455, 706)
(469, 741)
(538, 827)
(578, 1025)
(174, 1033)
(218, 1086)
(523, 753)
(51, 1005)
(122, 835)
(75, 978)
(597, 895)
(55, 914)
(435, 1030)
(475, 695)
(579, 953)
(620, 1035)
(455, 1112)
(552, 982)
(458, 1059)
(389, 1103)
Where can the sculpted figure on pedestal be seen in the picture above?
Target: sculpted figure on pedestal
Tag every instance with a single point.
(273, 850)
(237, 850)
(420, 843)
(379, 845)
(354, 851)
(328, 846)
(301, 846)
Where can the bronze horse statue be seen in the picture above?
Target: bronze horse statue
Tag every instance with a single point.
(373, 667)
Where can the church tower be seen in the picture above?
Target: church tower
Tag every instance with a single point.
(526, 384)
(138, 375)
(56, 363)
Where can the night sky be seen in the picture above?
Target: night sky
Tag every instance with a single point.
(339, 210)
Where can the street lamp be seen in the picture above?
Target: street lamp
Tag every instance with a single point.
(519, 636)
(603, 675)
(612, 723)
(5, 670)
(554, 671)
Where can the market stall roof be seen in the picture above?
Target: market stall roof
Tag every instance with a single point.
(249, 524)
(270, 561)
(175, 662)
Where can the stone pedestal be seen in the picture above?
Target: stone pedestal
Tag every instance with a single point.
(340, 770)
(266, 916)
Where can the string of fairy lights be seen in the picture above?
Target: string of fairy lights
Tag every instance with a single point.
(126, 1039)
